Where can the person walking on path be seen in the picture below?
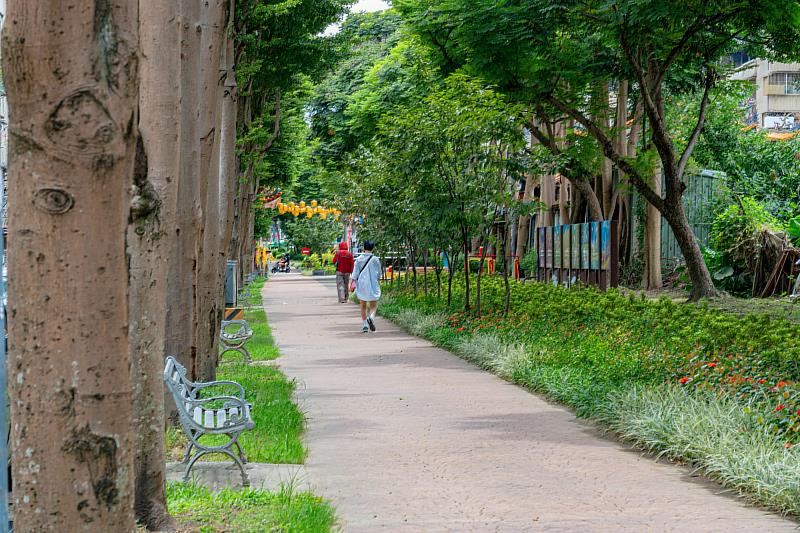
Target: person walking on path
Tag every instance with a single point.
(343, 260)
(366, 278)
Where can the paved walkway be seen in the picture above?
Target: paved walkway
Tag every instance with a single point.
(406, 437)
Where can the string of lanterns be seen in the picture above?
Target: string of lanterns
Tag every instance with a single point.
(272, 201)
(310, 210)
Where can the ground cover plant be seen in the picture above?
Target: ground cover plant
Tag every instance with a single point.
(199, 509)
(695, 384)
(262, 346)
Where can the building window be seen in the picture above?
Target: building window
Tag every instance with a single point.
(789, 80)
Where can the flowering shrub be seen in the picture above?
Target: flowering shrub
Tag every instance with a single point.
(770, 399)
(625, 339)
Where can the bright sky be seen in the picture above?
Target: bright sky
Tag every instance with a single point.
(370, 5)
(360, 6)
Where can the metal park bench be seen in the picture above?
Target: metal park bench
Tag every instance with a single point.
(228, 416)
(235, 341)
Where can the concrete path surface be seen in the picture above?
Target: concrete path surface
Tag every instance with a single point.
(218, 475)
(406, 437)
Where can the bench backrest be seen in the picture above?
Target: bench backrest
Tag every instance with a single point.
(177, 382)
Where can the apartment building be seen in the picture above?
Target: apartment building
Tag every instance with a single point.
(775, 105)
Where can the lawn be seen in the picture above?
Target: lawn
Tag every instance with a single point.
(699, 385)
(198, 509)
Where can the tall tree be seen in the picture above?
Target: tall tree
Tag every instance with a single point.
(290, 34)
(208, 314)
(562, 49)
(181, 282)
(149, 244)
(72, 81)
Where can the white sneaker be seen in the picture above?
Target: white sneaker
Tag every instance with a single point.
(365, 327)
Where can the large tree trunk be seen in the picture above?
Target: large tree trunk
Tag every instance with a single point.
(563, 192)
(227, 163)
(692, 254)
(525, 220)
(652, 233)
(548, 198)
(208, 313)
(149, 242)
(182, 276)
(465, 245)
(606, 184)
(72, 83)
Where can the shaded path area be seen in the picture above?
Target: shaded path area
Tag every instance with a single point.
(404, 436)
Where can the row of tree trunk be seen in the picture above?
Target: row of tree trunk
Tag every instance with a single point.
(577, 199)
(122, 194)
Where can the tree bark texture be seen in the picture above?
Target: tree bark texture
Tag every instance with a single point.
(606, 183)
(525, 220)
(548, 198)
(209, 314)
(72, 80)
(653, 238)
(227, 161)
(181, 282)
(149, 242)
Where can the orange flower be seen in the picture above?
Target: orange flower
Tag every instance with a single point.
(712, 365)
(781, 384)
(683, 380)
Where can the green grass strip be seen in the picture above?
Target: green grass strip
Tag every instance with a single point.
(199, 509)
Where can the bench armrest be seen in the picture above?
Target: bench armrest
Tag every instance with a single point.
(207, 384)
(230, 401)
(242, 325)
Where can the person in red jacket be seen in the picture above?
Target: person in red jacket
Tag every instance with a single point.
(343, 260)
